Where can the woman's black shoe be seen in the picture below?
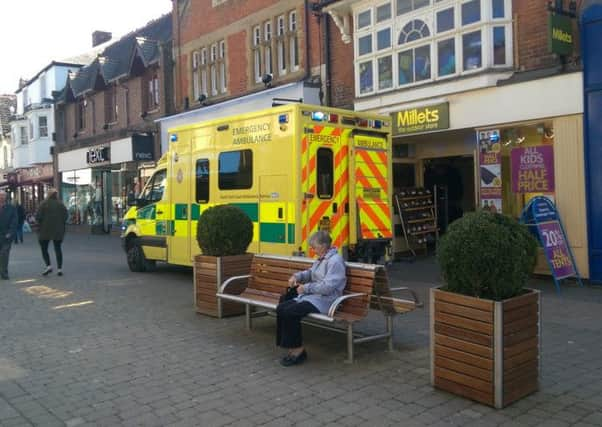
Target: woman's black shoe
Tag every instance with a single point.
(294, 360)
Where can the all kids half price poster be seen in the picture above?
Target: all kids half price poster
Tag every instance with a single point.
(490, 170)
(532, 169)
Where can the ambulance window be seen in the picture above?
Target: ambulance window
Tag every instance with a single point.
(235, 170)
(325, 172)
(202, 180)
(158, 186)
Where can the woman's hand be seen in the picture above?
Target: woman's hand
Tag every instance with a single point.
(300, 289)
(292, 281)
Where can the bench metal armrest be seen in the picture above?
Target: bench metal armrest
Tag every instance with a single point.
(335, 304)
(224, 285)
(411, 291)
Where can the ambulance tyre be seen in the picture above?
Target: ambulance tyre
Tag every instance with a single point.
(137, 262)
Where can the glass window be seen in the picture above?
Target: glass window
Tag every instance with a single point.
(153, 192)
(366, 78)
(235, 170)
(471, 12)
(414, 30)
(325, 172)
(383, 12)
(498, 8)
(405, 6)
(446, 51)
(471, 50)
(415, 65)
(202, 180)
(385, 72)
(445, 20)
(364, 19)
(499, 45)
(43, 126)
(383, 39)
(365, 45)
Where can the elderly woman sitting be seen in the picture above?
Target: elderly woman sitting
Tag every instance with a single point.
(317, 288)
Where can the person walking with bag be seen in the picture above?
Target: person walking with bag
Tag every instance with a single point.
(20, 222)
(316, 290)
(8, 229)
(51, 217)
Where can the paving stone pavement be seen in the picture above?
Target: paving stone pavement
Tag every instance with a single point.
(102, 346)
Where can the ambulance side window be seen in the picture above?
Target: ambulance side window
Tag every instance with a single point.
(235, 170)
(325, 173)
(158, 186)
(202, 180)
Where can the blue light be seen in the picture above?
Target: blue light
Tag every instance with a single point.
(173, 137)
(494, 137)
(283, 118)
(378, 124)
(317, 116)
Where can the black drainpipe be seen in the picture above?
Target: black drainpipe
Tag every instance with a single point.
(306, 31)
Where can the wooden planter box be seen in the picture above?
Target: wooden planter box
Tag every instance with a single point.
(485, 350)
(209, 273)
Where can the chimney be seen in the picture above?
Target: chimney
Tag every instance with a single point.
(99, 37)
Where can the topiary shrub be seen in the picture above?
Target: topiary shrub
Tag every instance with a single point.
(224, 230)
(487, 255)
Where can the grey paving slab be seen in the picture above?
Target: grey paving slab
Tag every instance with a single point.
(104, 346)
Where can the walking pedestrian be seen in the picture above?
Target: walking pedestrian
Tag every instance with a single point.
(8, 228)
(20, 222)
(51, 217)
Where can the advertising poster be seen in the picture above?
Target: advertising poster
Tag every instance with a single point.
(532, 169)
(490, 170)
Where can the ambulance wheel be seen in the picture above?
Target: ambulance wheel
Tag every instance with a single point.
(137, 261)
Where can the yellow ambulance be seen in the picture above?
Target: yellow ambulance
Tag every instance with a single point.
(293, 169)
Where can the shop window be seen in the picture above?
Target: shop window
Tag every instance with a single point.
(235, 170)
(325, 173)
(385, 72)
(471, 47)
(43, 126)
(463, 36)
(383, 12)
(383, 39)
(471, 12)
(499, 45)
(202, 180)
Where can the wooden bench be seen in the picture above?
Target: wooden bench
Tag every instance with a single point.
(367, 287)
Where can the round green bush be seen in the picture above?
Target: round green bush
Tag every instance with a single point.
(487, 255)
(224, 230)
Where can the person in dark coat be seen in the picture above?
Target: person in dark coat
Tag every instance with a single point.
(8, 229)
(20, 222)
(51, 217)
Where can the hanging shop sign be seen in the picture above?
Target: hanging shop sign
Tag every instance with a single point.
(421, 119)
(98, 155)
(490, 170)
(142, 148)
(544, 222)
(532, 169)
(560, 38)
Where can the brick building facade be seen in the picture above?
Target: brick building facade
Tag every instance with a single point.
(106, 136)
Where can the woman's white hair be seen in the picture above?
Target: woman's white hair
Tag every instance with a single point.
(320, 238)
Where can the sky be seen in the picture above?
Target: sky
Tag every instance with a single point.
(33, 33)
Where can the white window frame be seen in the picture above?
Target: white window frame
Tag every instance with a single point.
(281, 45)
(42, 130)
(213, 69)
(428, 15)
(223, 87)
(23, 136)
(196, 63)
(293, 44)
(203, 89)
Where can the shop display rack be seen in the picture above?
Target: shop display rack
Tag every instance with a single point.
(417, 208)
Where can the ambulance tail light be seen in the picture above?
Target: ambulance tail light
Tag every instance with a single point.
(363, 123)
(333, 118)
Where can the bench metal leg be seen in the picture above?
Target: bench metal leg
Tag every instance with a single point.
(248, 316)
(389, 320)
(349, 343)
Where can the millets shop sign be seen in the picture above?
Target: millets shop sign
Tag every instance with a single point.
(561, 35)
(421, 119)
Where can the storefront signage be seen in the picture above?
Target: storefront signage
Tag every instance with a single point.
(560, 37)
(490, 170)
(532, 169)
(422, 119)
(142, 148)
(543, 220)
(97, 155)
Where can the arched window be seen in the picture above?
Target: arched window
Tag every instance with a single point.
(412, 31)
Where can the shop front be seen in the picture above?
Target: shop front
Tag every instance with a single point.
(97, 182)
(29, 186)
(497, 148)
